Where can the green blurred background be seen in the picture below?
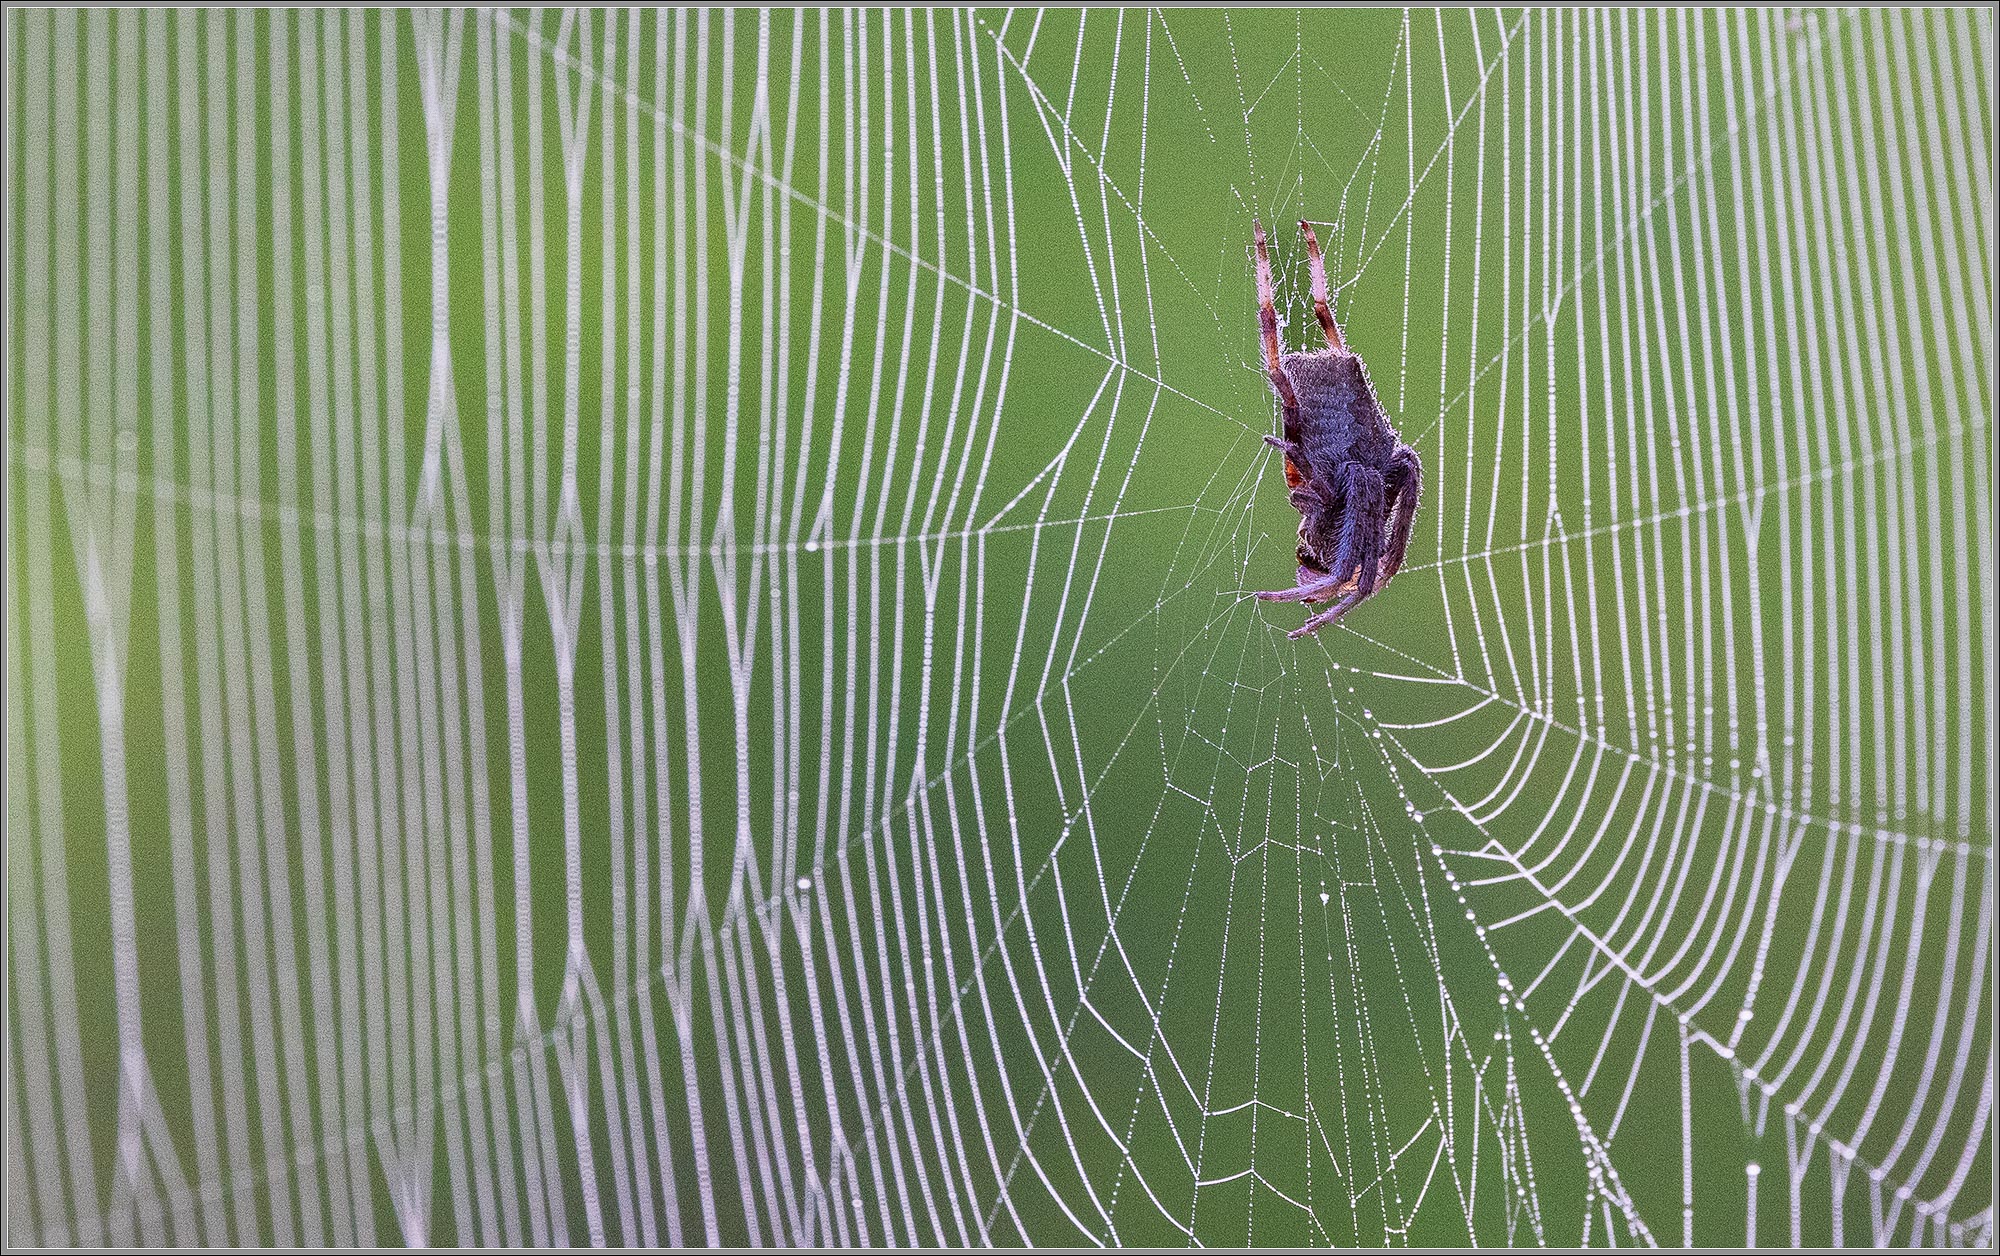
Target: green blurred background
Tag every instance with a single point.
(634, 628)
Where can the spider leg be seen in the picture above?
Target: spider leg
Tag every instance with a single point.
(1404, 482)
(1267, 319)
(1327, 616)
(1362, 515)
(1321, 506)
(1369, 550)
(1360, 547)
(1363, 587)
(1306, 591)
(1280, 443)
(1321, 296)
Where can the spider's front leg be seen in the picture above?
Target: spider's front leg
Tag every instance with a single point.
(1320, 293)
(1267, 321)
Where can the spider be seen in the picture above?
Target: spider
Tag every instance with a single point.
(1353, 481)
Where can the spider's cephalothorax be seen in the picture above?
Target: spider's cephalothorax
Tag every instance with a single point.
(1353, 481)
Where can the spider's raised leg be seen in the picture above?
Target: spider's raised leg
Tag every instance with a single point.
(1320, 294)
(1402, 485)
(1267, 319)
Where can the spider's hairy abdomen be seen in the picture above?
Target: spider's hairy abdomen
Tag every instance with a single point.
(1339, 419)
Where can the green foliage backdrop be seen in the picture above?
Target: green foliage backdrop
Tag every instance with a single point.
(633, 627)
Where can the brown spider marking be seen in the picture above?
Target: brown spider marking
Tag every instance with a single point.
(1352, 480)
